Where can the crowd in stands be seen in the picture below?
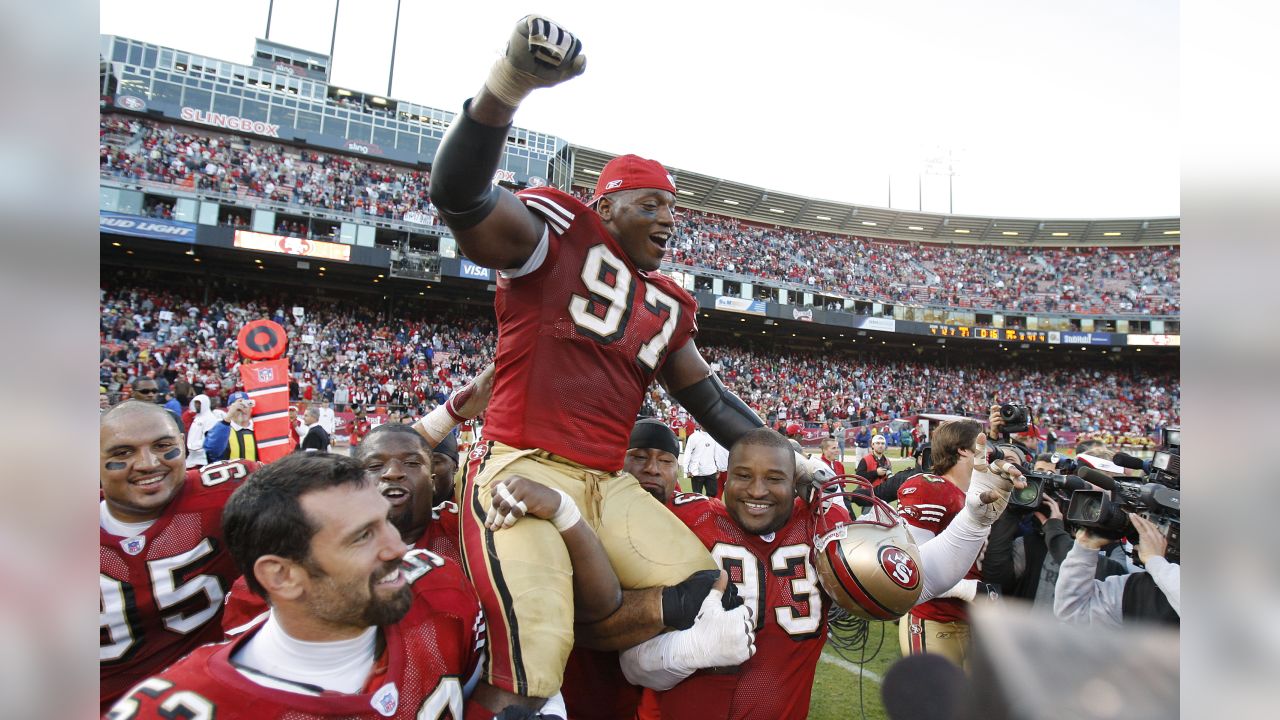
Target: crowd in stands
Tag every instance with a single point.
(348, 354)
(1067, 280)
(1076, 280)
(142, 150)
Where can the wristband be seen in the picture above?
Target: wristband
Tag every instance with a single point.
(510, 85)
(567, 515)
(438, 423)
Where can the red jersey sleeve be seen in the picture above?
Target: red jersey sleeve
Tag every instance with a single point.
(929, 502)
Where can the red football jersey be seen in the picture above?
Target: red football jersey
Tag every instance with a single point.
(430, 654)
(930, 502)
(161, 592)
(441, 536)
(244, 608)
(595, 688)
(775, 575)
(580, 339)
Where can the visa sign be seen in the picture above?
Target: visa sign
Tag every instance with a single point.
(469, 269)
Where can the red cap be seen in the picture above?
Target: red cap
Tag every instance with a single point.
(628, 172)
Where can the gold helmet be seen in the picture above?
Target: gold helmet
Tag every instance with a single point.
(869, 565)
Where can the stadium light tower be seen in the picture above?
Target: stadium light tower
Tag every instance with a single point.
(940, 164)
(395, 35)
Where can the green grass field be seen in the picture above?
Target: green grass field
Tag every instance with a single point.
(843, 690)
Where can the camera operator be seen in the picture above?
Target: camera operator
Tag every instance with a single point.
(1025, 549)
(1151, 594)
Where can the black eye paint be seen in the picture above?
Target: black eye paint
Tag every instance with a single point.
(173, 454)
(113, 465)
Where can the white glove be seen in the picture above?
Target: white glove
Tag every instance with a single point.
(718, 638)
(539, 54)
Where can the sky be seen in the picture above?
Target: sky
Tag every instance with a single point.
(1047, 109)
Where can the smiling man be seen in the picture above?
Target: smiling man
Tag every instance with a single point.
(164, 569)
(585, 324)
(360, 627)
(762, 535)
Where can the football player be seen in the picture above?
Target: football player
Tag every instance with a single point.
(360, 627)
(762, 534)
(929, 502)
(586, 323)
(790, 559)
(163, 565)
(397, 459)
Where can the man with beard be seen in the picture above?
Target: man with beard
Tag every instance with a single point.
(360, 627)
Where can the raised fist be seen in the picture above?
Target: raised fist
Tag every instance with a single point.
(539, 54)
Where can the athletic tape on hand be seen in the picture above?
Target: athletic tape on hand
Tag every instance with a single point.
(567, 515)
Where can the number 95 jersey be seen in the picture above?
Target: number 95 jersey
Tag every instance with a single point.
(581, 334)
(162, 591)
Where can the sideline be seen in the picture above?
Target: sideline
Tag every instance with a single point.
(838, 662)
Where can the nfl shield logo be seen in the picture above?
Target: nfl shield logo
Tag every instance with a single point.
(386, 700)
(133, 545)
(266, 375)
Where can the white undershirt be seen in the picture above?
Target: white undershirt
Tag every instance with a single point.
(108, 522)
(341, 665)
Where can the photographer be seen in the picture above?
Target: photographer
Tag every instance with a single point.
(1153, 594)
(1026, 549)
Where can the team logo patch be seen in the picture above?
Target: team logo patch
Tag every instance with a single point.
(129, 102)
(386, 700)
(478, 451)
(612, 184)
(133, 545)
(266, 375)
(899, 566)
(916, 629)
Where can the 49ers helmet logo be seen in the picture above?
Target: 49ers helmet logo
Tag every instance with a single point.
(899, 566)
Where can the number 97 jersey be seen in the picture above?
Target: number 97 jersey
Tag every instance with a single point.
(162, 591)
(581, 334)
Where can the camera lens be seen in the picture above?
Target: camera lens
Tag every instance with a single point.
(1091, 508)
(1026, 495)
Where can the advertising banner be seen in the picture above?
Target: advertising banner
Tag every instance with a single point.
(741, 305)
(878, 323)
(284, 245)
(468, 269)
(135, 226)
(1160, 340)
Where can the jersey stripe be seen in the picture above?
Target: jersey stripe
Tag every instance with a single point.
(553, 218)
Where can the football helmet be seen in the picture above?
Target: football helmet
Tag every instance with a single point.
(870, 566)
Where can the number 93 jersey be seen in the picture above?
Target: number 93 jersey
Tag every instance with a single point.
(775, 576)
(162, 591)
(581, 334)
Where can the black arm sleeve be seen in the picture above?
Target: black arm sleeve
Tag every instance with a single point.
(717, 409)
(997, 561)
(888, 490)
(462, 186)
(1057, 539)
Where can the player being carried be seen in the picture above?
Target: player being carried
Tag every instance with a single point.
(586, 323)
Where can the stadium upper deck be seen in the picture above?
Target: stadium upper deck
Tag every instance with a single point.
(287, 100)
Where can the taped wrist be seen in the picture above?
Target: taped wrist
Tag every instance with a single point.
(567, 515)
(510, 84)
(718, 410)
(462, 188)
(436, 424)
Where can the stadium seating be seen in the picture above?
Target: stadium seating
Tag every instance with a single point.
(405, 362)
(1083, 281)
